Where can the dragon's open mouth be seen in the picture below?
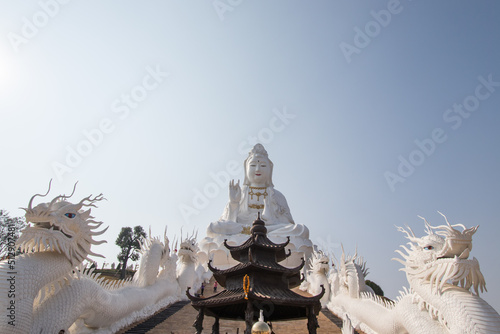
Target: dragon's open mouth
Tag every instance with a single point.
(49, 226)
(464, 249)
(46, 225)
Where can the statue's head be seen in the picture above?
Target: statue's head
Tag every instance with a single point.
(258, 167)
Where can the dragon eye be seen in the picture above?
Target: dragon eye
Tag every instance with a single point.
(429, 247)
(70, 215)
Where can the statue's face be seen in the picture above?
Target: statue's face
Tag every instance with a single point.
(259, 171)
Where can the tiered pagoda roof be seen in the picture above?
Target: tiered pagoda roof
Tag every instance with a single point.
(268, 284)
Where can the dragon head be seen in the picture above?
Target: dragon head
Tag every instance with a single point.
(351, 274)
(189, 249)
(154, 256)
(441, 257)
(319, 262)
(62, 227)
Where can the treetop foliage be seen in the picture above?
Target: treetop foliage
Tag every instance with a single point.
(10, 230)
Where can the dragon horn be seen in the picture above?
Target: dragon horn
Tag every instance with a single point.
(73, 192)
(446, 219)
(411, 231)
(342, 258)
(55, 200)
(62, 197)
(91, 201)
(408, 235)
(428, 226)
(332, 256)
(31, 200)
(165, 239)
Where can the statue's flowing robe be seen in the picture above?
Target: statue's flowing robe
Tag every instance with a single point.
(276, 215)
(276, 210)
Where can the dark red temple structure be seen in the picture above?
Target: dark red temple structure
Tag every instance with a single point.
(257, 283)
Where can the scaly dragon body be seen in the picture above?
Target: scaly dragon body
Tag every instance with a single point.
(47, 292)
(106, 306)
(439, 300)
(57, 240)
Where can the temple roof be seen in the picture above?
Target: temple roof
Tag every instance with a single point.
(282, 296)
(286, 303)
(271, 282)
(257, 240)
(260, 241)
(223, 297)
(266, 265)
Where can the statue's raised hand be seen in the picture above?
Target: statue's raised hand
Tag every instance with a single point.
(234, 192)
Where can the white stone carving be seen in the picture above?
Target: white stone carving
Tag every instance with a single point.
(439, 300)
(318, 275)
(58, 239)
(350, 277)
(50, 292)
(256, 194)
(108, 306)
(190, 271)
(347, 325)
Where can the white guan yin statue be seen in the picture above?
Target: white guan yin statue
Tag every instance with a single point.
(256, 194)
(439, 301)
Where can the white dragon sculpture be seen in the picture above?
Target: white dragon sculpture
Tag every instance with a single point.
(105, 307)
(318, 275)
(190, 273)
(47, 291)
(58, 239)
(439, 300)
(350, 278)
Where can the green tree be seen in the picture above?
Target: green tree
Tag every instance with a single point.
(375, 287)
(128, 241)
(10, 230)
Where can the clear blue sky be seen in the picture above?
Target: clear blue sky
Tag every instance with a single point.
(339, 93)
